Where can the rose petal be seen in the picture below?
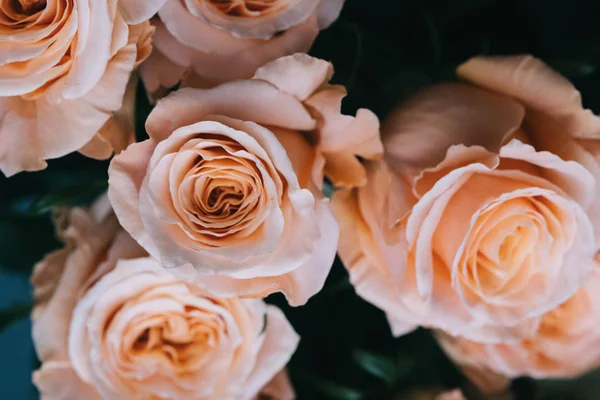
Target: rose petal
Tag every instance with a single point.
(299, 75)
(245, 100)
(419, 132)
(58, 381)
(137, 11)
(188, 29)
(538, 86)
(279, 345)
(126, 175)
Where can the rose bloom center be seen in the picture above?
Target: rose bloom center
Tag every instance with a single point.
(248, 8)
(16, 10)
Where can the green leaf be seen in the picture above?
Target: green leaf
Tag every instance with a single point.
(331, 390)
(377, 365)
(338, 392)
(13, 314)
(328, 189)
(572, 68)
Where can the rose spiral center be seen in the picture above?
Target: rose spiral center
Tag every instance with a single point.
(247, 8)
(16, 10)
(510, 241)
(174, 337)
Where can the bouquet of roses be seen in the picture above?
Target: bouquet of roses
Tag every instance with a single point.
(472, 209)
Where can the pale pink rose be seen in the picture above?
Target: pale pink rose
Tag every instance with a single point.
(227, 188)
(64, 68)
(482, 216)
(566, 343)
(135, 332)
(212, 41)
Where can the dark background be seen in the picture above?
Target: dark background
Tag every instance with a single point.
(383, 51)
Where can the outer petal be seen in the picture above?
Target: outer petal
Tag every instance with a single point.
(419, 132)
(58, 381)
(126, 175)
(55, 316)
(537, 86)
(92, 52)
(279, 345)
(376, 268)
(118, 132)
(342, 137)
(43, 130)
(198, 34)
(280, 387)
(137, 11)
(160, 74)
(570, 176)
(328, 11)
(299, 75)
(246, 100)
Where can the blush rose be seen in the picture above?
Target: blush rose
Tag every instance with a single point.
(484, 214)
(227, 188)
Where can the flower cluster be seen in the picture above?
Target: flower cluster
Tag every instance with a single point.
(474, 210)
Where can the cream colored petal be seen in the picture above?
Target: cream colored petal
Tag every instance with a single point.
(342, 137)
(137, 11)
(279, 388)
(160, 74)
(43, 131)
(126, 175)
(373, 278)
(570, 176)
(197, 33)
(299, 75)
(58, 381)
(55, 316)
(279, 345)
(92, 52)
(328, 11)
(244, 100)
(118, 132)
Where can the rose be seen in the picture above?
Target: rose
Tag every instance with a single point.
(64, 68)
(482, 218)
(134, 331)
(566, 343)
(210, 42)
(228, 181)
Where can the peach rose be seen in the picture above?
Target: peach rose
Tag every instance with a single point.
(227, 186)
(214, 41)
(566, 343)
(64, 68)
(133, 331)
(482, 217)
